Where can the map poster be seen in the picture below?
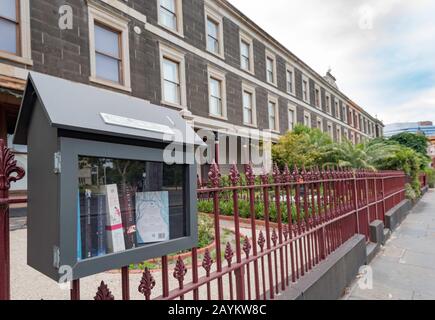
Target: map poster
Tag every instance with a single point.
(152, 217)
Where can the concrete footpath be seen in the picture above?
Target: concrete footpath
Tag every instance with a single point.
(405, 267)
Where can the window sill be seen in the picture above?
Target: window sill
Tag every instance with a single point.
(218, 55)
(272, 83)
(109, 84)
(217, 117)
(15, 58)
(173, 105)
(251, 125)
(174, 32)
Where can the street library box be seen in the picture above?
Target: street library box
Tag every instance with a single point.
(101, 194)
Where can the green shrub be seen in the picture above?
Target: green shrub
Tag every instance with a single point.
(205, 230)
(410, 192)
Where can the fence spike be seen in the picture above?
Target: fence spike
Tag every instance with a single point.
(207, 262)
(234, 174)
(214, 175)
(180, 271)
(229, 253)
(261, 240)
(249, 173)
(276, 173)
(103, 293)
(147, 284)
(247, 246)
(274, 237)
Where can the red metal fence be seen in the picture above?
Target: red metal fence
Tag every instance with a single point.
(282, 225)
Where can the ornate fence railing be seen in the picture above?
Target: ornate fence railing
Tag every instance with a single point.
(281, 226)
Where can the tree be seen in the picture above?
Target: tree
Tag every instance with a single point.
(302, 147)
(417, 142)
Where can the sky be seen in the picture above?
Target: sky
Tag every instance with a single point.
(382, 52)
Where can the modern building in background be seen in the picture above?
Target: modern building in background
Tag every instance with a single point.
(204, 58)
(424, 127)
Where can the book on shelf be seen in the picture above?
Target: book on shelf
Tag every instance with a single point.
(128, 215)
(79, 230)
(114, 226)
(152, 217)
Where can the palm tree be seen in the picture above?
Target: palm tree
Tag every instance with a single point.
(361, 156)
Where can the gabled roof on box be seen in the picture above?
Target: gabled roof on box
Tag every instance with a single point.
(84, 108)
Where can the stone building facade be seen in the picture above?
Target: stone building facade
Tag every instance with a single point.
(203, 57)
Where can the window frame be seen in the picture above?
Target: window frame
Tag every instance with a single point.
(271, 56)
(339, 134)
(328, 105)
(320, 120)
(244, 37)
(218, 19)
(23, 35)
(116, 23)
(344, 112)
(274, 100)
(179, 18)
(249, 89)
(317, 99)
(290, 69)
(306, 80)
(329, 125)
(307, 114)
(170, 53)
(337, 108)
(213, 73)
(292, 108)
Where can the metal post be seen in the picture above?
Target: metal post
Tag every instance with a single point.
(8, 166)
(216, 150)
(125, 283)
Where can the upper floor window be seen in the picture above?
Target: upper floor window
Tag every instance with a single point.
(246, 53)
(317, 97)
(344, 113)
(337, 109)
(305, 89)
(320, 124)
(290, 80)
(15, 31)
(307, 119)
(249, 112)
(217, 93)
(270, 68)
(339, 135)
(328, 103)
(273, 114)
(291, 118)
(214, 31)
(109, 49)
(330, 130)
(170, 15)
(172, 74)
(108, 56)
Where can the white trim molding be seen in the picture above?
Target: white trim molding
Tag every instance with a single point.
(119, 24)
(245, 37)
(306, 80)
(293, 108)
(320, 120)
(271, 56)
(273, 99)
(211, 14)
(307, 115)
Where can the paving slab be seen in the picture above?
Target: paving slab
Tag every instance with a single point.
(405, 267)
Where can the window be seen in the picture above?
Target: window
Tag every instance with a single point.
(273, 114)
(109, 49)
(214, 31)
(337, 109)
(170, 15)
(15, 31)
(291, 117)
(320, 124)
(339, 135)
(305, 90)
(173, 79)
(307, 119)
(330, 130)
(328, 103)
(290, 80)
(217, 93)
(249, 110)
(344, 113)
(108, 57)
(246, 53)
(317, 96)
(351, 117)
(270, 68)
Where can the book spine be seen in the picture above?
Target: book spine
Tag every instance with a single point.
(79, 231)
(88, 224)
(114, 227)
(101, 223)
(128, 217)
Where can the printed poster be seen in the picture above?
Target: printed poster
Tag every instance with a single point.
(152, 217)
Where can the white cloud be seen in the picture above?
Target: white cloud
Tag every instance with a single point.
(381, 52)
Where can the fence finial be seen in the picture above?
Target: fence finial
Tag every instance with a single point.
(249, 173)
(147, 284)
(276, 173)
(104, 293)
(234, 174)
(214, 175)
(8, 166)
